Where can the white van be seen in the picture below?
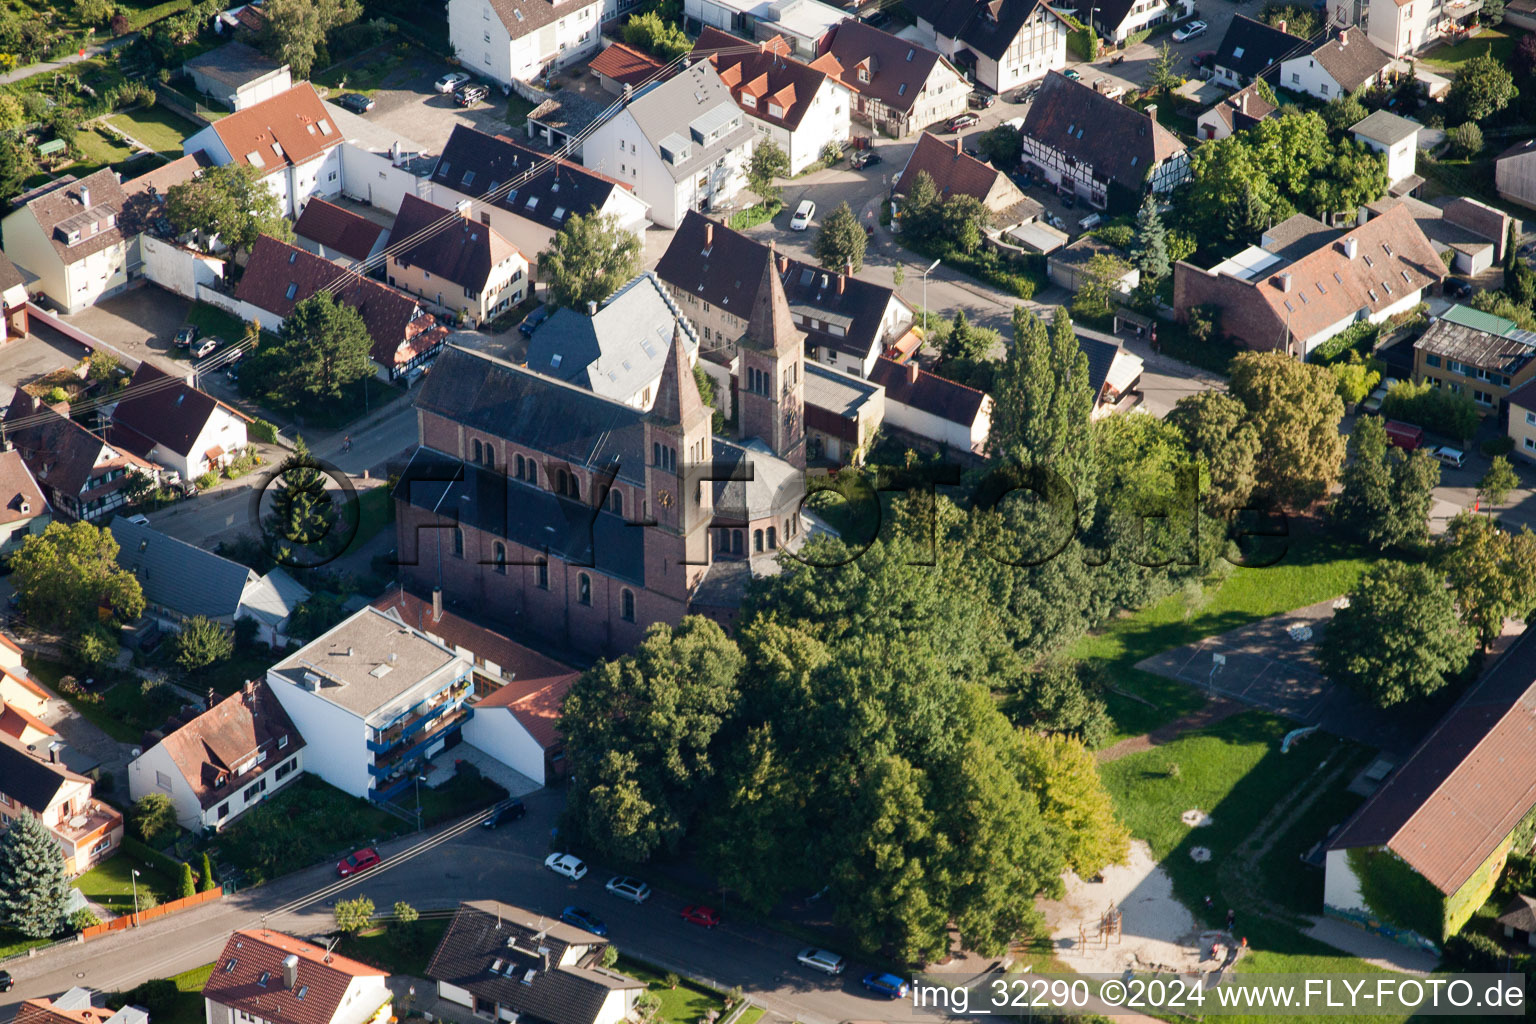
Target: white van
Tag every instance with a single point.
(1090, 222)
(1450, 456)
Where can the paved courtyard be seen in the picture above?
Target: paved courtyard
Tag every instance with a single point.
(36, 355)
(142, 322)
(406, 102)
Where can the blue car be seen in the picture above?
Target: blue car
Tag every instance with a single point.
(887, 985)
(583, 919)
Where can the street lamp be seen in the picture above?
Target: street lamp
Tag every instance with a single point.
(418, 780)
(925, 295)
(135, 881)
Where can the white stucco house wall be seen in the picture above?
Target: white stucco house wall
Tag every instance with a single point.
(519, 40)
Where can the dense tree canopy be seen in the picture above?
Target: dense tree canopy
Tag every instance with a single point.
(1387, 492)
(34, 891)
(588, 259)
(840, 241)
(69, 571)
(768, 162)
(1492, 572)
(1217, 429)
(1295, 408)
(325, 346)
(230, 201)
(1482, 88)
(295, 30)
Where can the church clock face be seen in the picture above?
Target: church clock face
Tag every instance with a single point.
(664, 498)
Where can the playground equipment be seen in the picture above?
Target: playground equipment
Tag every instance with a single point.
(1296, 734)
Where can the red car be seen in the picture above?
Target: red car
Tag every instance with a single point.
(356, 863)
(960, 121)
(704, 917)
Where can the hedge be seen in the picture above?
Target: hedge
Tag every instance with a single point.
(143, 851)
(262, 431)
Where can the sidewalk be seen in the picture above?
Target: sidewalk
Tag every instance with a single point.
(42, 67)
(1372, 948)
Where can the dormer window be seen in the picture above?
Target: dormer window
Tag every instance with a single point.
(748, 100)
(469, 177)
(863, 74)
(774, 110)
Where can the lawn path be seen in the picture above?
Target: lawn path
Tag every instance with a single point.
(1213, 712)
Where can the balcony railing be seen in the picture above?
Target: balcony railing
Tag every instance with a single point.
(95, 817)
(402, 754)
(403, 730)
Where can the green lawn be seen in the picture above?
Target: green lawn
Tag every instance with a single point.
(122, 712)
(687, 1002)
(374, 512)
(211, 320)
(110, 883)
(518, 110)
(15, 944)
(1313, 568)
(364, 76)
(156, 127)
(1489, 40)
(97, 151)
(383, 950)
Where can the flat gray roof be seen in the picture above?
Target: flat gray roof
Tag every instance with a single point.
(836, 392)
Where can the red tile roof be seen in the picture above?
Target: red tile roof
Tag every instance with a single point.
(855, 43)
(322, 978)
(14, 721)
(400, 328)
(210, 748)
(43, 1011)
(766, 73)
(938, 396)
(20, 679)
(350, 234)
(290, 128)
(624, 65)
(18, 488)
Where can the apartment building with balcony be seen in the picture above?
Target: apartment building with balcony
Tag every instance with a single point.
(384, 696)
(1476, 354)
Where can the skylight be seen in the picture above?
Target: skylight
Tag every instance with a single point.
(293, 289)
(469, 177)
(901, 90)
(325, 127)
(254, 157)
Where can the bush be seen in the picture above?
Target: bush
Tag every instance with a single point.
(1494, 446)
(752, 216)
(1121, 236)
(206, 481)
(354, 915)
(1467, 139)
(158, 996)
(831, 153)
(262, 431)
(1435, 409)
(56, 395)
(82, 919)
(1473, 951)
(152, 816)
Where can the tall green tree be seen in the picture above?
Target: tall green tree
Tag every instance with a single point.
(1398, 640)
(1149, 251)
(1491, 572)
(295, 30)
(325, 347)
(921, 209)
(186, 887)
(640, 732)
(1164, 75)
(1001, 146)
(587, 260)
(1482, 88)
(1044, 401)
(353, 915)
(1098, 290)
(1076, 807)
(1216, 427)
(1295, 408)
(206, 881)
(34, 890)
(768, 162)
(230, 201)
(64, 574)
(1496, 484)
(151, 816)
(840, 242)
(201, 643)
(964, 342)
(1387, 493)
(302, 511)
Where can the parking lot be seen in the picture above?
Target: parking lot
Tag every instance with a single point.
(401, 86)
(141, 323)
(36, 355)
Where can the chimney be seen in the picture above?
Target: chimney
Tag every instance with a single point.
(783, 264)
(840, 279)
(709, 233)
(1285, 281)
(912, 371)
(290, 970)
(463, 206)
(1351, 247)
(1151, 112)
(957, 145)
(1343, 38)
(437, 604)
(1242, 102)
(85, 196)
(1280, 24)
(53, 753)
(591, 307)
(824, 282)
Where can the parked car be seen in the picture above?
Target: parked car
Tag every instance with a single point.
(626, 888)
(821, 960)
(1203, 59)
(355, 102)
(1374, 400)
(1190, 31)
(469, 95)
(451, 81)
(206, 347)
(888, 985)
(511, 811)
(1090, 222)
(584, 919)
(6, 981)
(982, 100)
(567, 864)
(1405, 435)
(1025, 93)
(1450, 456)
(139, 519)
(704, 917)
(961, 121)
(803, 214)
(1458, 288)
(357, 862)
(1073, 74)
(532, 320)
(186, 336)
(864, 158)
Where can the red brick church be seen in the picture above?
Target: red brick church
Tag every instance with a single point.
(541, 507)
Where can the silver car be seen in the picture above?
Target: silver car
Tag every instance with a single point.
(821, 960)
(631, 889)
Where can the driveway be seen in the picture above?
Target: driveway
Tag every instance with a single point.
(36, 355)
(406, 102)
(142, 322)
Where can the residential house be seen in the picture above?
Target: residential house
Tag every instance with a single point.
(404, 334)
(13, 301)
(847, 322)
(1473, 234)
(1346, 62)
(842, 415)
(516, 718)
(223, 762)
(898, 87)
(957, 173)
(340, 235)
(23, 509)
(180, 580)
(522, 40)
(1450, 811)
(1233, 113)
(385, 696)
(933, 407)
(1397, 140)
(237, 75)
(75, 1006)
(88, 831)
(455, 264)
(1514, 173)
(66, 235)
(804, 24)
(17, 690)
(1476, 354)
(81, 475)
(618, 350)
(619, 66)
(272, 978)
(1518, 919)
(33, 733)
(1252, 50)
(177, 262)
(379, 166)
(1307, 282)
(509, 963)
(1088, 144)
(1117, 20)
(801, 109)
(682, 144)
(1067, 266)
(290, 139)
(1400, 29)
(169, 422)
(1521, 425)
(526, 195)
(1001, 43)
(1113, 373)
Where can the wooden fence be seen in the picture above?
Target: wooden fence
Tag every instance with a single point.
(118, 924)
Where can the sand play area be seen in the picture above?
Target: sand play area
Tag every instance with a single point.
(1155, 929)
